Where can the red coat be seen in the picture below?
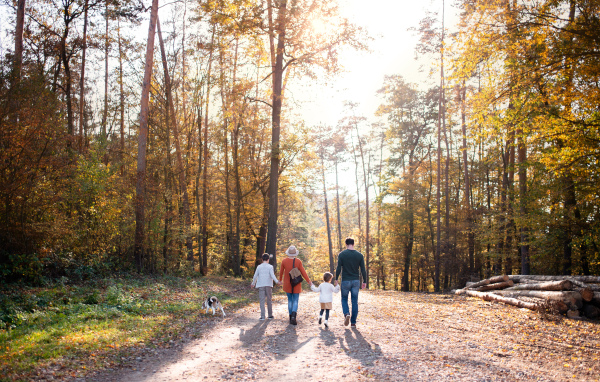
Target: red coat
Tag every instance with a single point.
(284, 274)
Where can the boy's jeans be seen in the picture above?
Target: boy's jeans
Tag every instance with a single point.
(265, 293)
(352, 287)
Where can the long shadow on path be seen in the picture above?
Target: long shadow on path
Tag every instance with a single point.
(253, 335)
(357, 347)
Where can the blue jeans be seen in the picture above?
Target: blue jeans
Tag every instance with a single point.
(293, 302)
(351, 287)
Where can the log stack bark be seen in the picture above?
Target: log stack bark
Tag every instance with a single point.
(573, 296)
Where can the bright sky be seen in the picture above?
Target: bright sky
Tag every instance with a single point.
(392, 52)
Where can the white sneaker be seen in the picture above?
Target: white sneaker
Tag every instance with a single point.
(327, 326)
(346, 319)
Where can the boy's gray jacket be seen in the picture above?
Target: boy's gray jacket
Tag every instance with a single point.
(264, 276)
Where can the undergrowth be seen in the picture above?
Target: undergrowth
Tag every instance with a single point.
(69, 329)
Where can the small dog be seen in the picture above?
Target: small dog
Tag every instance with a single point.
(214, 304)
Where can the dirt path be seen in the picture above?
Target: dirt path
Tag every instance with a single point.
(400, 336)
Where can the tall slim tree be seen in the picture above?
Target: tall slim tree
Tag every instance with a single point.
(140, 188)
(20, 22)
(82, 77)
(277, 75)
(181, 170)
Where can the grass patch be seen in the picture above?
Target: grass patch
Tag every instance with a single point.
(70, 330)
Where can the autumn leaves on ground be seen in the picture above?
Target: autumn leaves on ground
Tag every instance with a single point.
(150, 329)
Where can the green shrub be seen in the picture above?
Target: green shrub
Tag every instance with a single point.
(92, 298)
(115, 295)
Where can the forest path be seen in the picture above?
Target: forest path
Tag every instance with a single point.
(400, 337)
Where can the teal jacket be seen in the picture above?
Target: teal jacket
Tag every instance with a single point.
(349, 261)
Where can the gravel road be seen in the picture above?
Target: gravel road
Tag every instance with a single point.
(399, 337)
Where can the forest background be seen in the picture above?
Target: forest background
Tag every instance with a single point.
(490, 166)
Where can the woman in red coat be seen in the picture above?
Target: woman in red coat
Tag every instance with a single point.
(293, 293)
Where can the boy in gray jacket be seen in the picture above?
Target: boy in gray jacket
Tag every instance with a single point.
(263, 280)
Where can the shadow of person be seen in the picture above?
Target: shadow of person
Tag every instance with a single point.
(287, 343)
(327, 336)
(254, 334)
(357, 347)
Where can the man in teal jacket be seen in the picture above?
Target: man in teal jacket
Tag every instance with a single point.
(349, 261)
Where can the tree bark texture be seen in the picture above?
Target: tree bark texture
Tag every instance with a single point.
(276, 126)
(329, 243)
(82, 78)
(503, 299)
(180, 165)
(548, 285)
(140, 188)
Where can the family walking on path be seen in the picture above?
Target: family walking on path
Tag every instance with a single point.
(351, 265)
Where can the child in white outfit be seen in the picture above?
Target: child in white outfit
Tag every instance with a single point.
(263, 279)
(326, 291)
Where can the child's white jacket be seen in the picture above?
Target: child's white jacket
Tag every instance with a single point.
(264, 276)
(327, 290)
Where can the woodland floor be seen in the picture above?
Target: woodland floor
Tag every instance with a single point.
(399, 337)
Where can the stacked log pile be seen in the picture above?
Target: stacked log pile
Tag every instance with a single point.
(575, 296)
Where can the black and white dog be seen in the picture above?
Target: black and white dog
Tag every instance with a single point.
(214, 304)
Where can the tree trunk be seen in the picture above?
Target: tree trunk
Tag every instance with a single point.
(438, 248)
(411, 223)
(549, 285)
(20, 22)
(357, 189)
(276, 126)
(584, 279)
(330, 245)
(571, 298)
(204, 267)
(502, 299)
(121, 102)
(470, 232)
(180, 165)
(82, 78)
(337, 202)
(66, 63)
(366, 181)
(491, 280)
(140, 202)
(501, 285)
(522, 158)
(106, 45)
(262, 230)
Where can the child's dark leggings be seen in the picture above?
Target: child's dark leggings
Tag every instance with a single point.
(326, 313)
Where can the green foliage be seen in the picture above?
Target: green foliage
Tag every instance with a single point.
(101, 316)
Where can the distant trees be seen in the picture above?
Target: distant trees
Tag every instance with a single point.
(209, 168)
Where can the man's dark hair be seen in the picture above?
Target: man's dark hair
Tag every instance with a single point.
(349, 241)
(266, 257)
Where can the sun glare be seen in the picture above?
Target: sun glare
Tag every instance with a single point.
(318, 26)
